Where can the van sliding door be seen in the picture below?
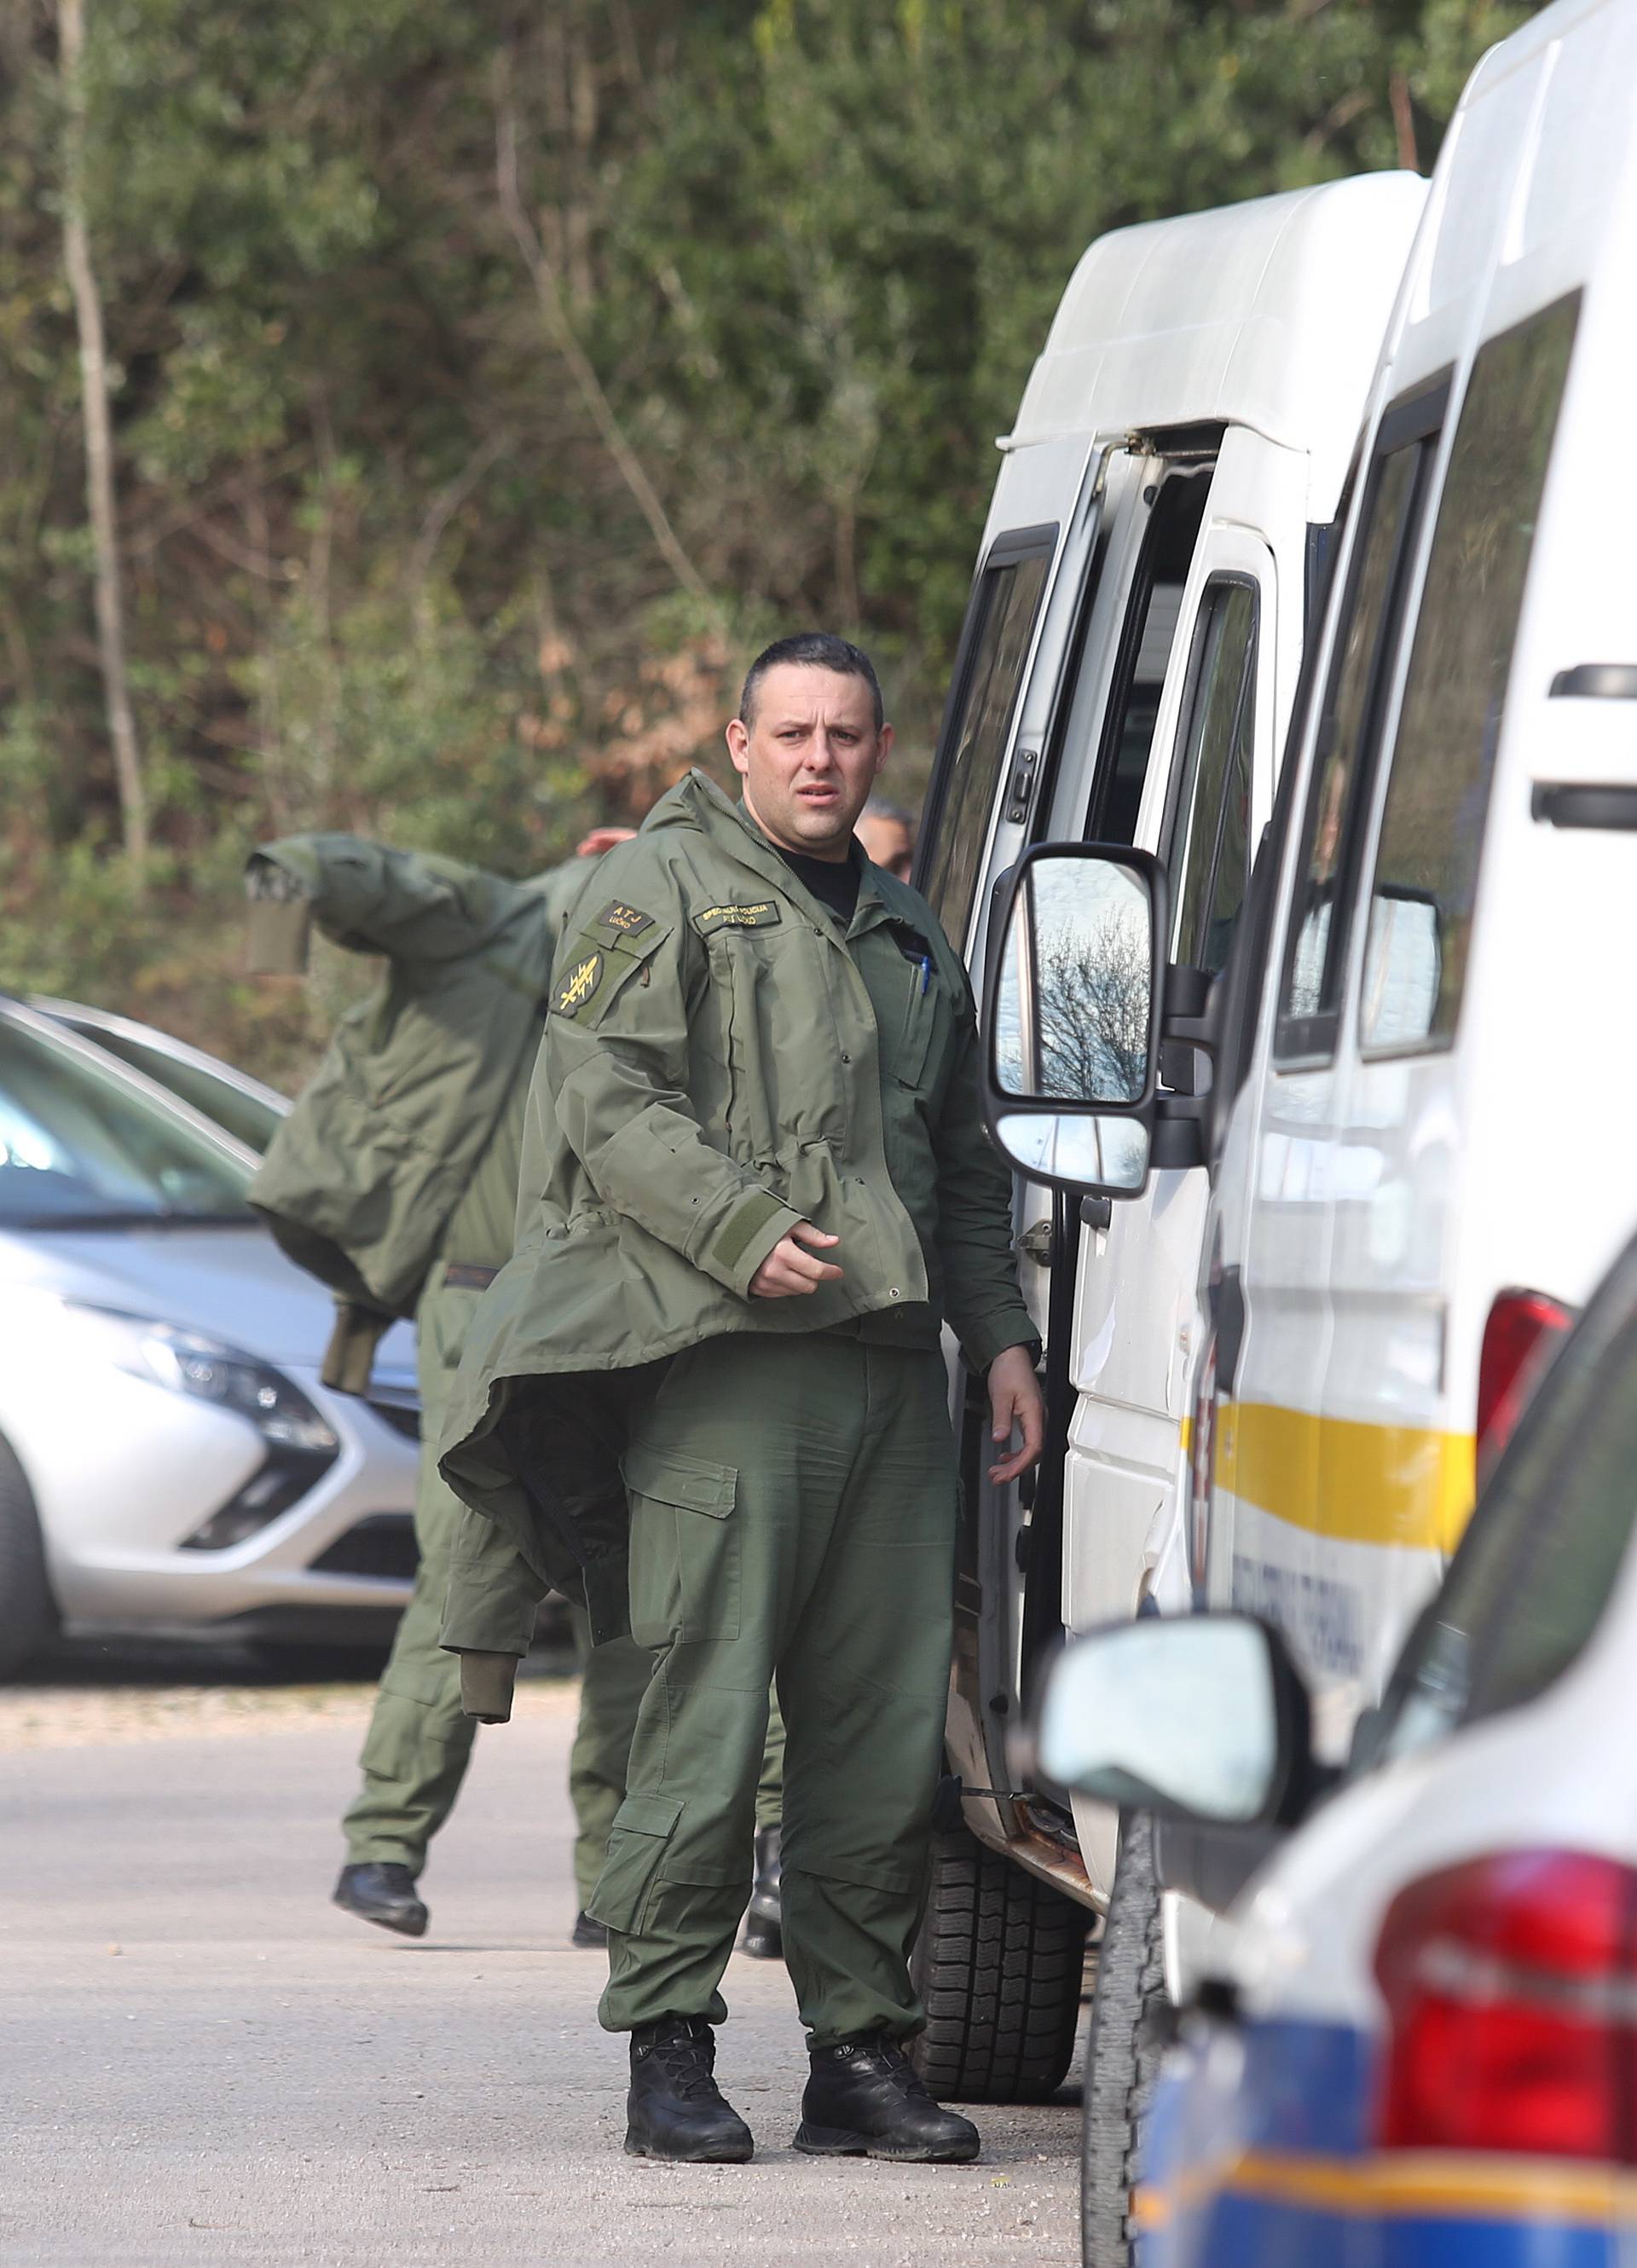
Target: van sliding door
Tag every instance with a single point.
(981, 810)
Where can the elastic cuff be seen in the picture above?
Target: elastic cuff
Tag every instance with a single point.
(276, 937)
(981, 1343)
(748, 1235)
(488, 1610)
(487, 1683)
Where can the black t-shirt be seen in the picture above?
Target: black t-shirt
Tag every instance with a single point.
(834, 882)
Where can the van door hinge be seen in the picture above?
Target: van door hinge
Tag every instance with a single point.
(1024, 765)
(1035, 1244)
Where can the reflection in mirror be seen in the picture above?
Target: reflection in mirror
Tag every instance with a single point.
(1171, 1715)
(1109, 1153)
(1073, 1007)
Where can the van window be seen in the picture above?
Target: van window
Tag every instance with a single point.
(1209, 852)
(1316, 942)
(1000, 624)
(1151, 612)
(1454, 691)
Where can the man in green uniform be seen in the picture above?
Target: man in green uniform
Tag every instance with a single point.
(394, 1179)
(755, 1179)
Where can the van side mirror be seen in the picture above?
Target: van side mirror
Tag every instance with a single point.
(1201, 1718)
(1073, 1017)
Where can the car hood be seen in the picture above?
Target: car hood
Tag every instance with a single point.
(233, 1284)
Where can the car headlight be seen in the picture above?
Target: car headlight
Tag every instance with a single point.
(207, 1370)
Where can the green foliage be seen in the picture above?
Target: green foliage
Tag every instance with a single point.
(383, 567)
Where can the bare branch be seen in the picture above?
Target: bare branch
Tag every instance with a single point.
(444, 506)
(561, 333)
(1404, 120)
(93, 373)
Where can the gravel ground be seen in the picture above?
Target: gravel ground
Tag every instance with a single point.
(203, 2063)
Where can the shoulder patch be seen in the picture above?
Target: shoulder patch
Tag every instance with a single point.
(577, 988)
(630, 921)
(761, 915)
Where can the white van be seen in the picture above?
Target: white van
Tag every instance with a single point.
(1159, 528)
(1422, 1086)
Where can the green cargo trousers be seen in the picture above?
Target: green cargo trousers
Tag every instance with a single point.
(794, 1518)
(418, 1745)
(419, 1741)
(615, 1676)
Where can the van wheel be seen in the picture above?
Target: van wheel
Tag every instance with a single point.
(997, 1967)
(1124, 2051)
(28, 1614)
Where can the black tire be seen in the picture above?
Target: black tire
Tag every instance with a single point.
(28, 1614)
(1123, 2051)
(997, 1966)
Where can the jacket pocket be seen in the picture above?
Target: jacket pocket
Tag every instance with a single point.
(923, 1040)
(643, 1826)
(684, 1546)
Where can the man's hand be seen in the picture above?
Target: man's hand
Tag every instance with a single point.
(602, 839)
(1015, 1400)
(788, 1270)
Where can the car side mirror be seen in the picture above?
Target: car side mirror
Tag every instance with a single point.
(1073, 1017)
(1201, 1718)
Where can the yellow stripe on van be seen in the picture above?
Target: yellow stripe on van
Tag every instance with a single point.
(1408, 1485)
(1411, 2182)
(1408, 2182)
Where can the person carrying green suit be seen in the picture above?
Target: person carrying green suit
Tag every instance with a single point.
(394, 1181)
(755, 1182)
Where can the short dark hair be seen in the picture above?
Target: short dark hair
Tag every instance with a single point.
(811, 650)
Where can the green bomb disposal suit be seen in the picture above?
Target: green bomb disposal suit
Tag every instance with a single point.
(722, 1060)
(395, 1180)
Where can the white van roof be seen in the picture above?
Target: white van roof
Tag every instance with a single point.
(1538, 172)
(1243, 316)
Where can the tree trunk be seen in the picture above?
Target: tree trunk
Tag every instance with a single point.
(93, 371)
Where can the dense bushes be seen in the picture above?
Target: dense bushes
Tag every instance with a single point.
(487, 380)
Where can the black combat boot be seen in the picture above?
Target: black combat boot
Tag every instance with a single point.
(675, 2109)
(382, 1893)
(863, 2100)
(763, 1938)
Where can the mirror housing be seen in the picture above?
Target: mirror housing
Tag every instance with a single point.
(1078, 999)
(1073, 999)
(1198, 1718)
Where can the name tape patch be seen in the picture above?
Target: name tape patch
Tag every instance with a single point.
(629, 920)
(578, 985)
(759, 916)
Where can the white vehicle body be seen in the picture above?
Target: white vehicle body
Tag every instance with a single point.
(241, 1498)
(1417, 2047)
(1137, 618)
(1429, 1123)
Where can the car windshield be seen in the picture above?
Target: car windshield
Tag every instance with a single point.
(80, 1148)
(245, 1116)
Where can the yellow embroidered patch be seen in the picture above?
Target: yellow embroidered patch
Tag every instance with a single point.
(630, 921)
(573, 994)
(761, 915)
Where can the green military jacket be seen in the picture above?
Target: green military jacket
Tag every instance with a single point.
(722, 1060)
(361, 1179)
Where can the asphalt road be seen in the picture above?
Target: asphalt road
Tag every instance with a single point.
(203, 2062)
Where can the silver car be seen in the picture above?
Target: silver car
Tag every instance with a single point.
(247, 1108)
(169, 1461)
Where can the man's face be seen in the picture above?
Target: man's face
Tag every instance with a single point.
(809, 757)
